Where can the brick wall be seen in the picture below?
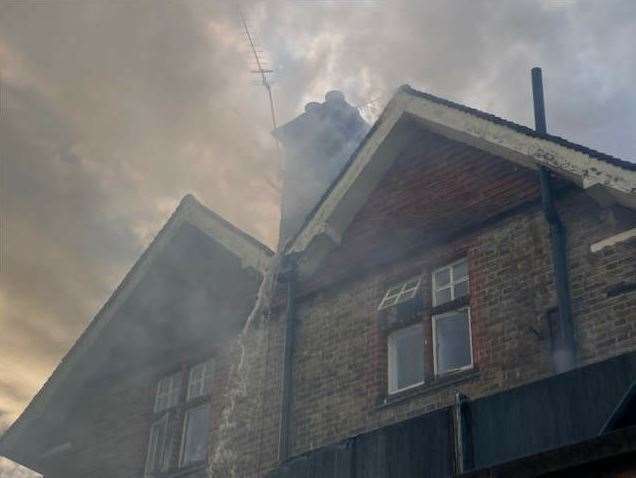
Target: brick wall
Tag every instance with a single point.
(441, 202)
(117, 413)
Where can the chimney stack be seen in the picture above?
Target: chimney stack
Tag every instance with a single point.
(317, 144)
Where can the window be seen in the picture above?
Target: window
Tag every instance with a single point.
(450, 282)
(400, 293)
(200, 379)
(406, 358)
(168, 391)
(157, 458)
(452, 347)
(178, 409)
(196, 430)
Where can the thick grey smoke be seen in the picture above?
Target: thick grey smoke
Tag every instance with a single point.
(113, 110)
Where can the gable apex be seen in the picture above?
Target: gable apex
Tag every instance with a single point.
(611, 179)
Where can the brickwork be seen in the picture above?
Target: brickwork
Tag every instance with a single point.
(441, 201)
(117, 416)
(461, 203)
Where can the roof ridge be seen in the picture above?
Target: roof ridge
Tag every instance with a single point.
(631, 166)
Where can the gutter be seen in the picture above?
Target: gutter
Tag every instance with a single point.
(289, 275)
(566, 360)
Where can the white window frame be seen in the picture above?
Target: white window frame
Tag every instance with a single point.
(186, 417)
(392, 358)
(205, 381)
(452, 282)
(470, 341)
(161, 448)
(400, 293)
(172, 393)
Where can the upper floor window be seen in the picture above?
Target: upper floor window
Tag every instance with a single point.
(158, 455)
(406, 358)
(450, 282)
(178, 409)
(196, 428)
(168, 391)
(400, 293)
(452, 342)
(429, 343)
(200, 379)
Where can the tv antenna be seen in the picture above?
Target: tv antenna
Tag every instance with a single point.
(260, 70)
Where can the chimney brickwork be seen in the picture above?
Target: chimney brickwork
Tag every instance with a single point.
(317, 144)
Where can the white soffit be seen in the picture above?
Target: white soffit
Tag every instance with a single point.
(325, 228)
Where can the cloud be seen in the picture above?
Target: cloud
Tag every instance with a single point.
(114, 110)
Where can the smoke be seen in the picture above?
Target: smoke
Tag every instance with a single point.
(112, 111)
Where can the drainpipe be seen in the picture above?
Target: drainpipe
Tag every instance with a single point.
(289, 274)
(464, 452)
(566, 357)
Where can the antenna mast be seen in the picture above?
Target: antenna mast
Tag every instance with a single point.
(260, 70)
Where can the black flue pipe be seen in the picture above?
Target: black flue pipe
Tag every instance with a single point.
(565, 350)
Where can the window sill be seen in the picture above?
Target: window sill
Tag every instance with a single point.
(429, 387)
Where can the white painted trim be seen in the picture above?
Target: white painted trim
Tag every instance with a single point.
(451, 282)
(392, 358)
(470, 340)
(613, 240)
(320, 222)
(508, 143)
(402, 295)
(189, 211)
(186, 417)
(381, 148)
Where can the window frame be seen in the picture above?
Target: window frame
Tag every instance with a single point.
(392, 362)
(175, 415)
(434, 319)
(208, 374)
(181, 465)
(163, 421)
(403, 293)
(176, 391)
(451, 281)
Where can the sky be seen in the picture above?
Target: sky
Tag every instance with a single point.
(112, 111)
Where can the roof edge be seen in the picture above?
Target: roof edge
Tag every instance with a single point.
(253, 254)
(588, 168)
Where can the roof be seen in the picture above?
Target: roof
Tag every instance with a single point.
(607, 178)
(252, 255)
(524, 129)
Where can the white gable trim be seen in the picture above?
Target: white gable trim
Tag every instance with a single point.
(350, 193)
(190, 211)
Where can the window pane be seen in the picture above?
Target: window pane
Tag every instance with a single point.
(200, 379)
(389, 301)
(195, 435)
(442, 277)
(195, 381)
(157, 442)
(407, 357)
(411, 284)
(452, 342)
(461, 289)
(442, 296)
(168, 392)
(460, 270)
(208, 379)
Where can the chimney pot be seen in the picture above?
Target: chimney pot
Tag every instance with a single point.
(335, 96)
(312, 106)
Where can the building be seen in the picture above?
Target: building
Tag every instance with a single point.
(460, 300)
